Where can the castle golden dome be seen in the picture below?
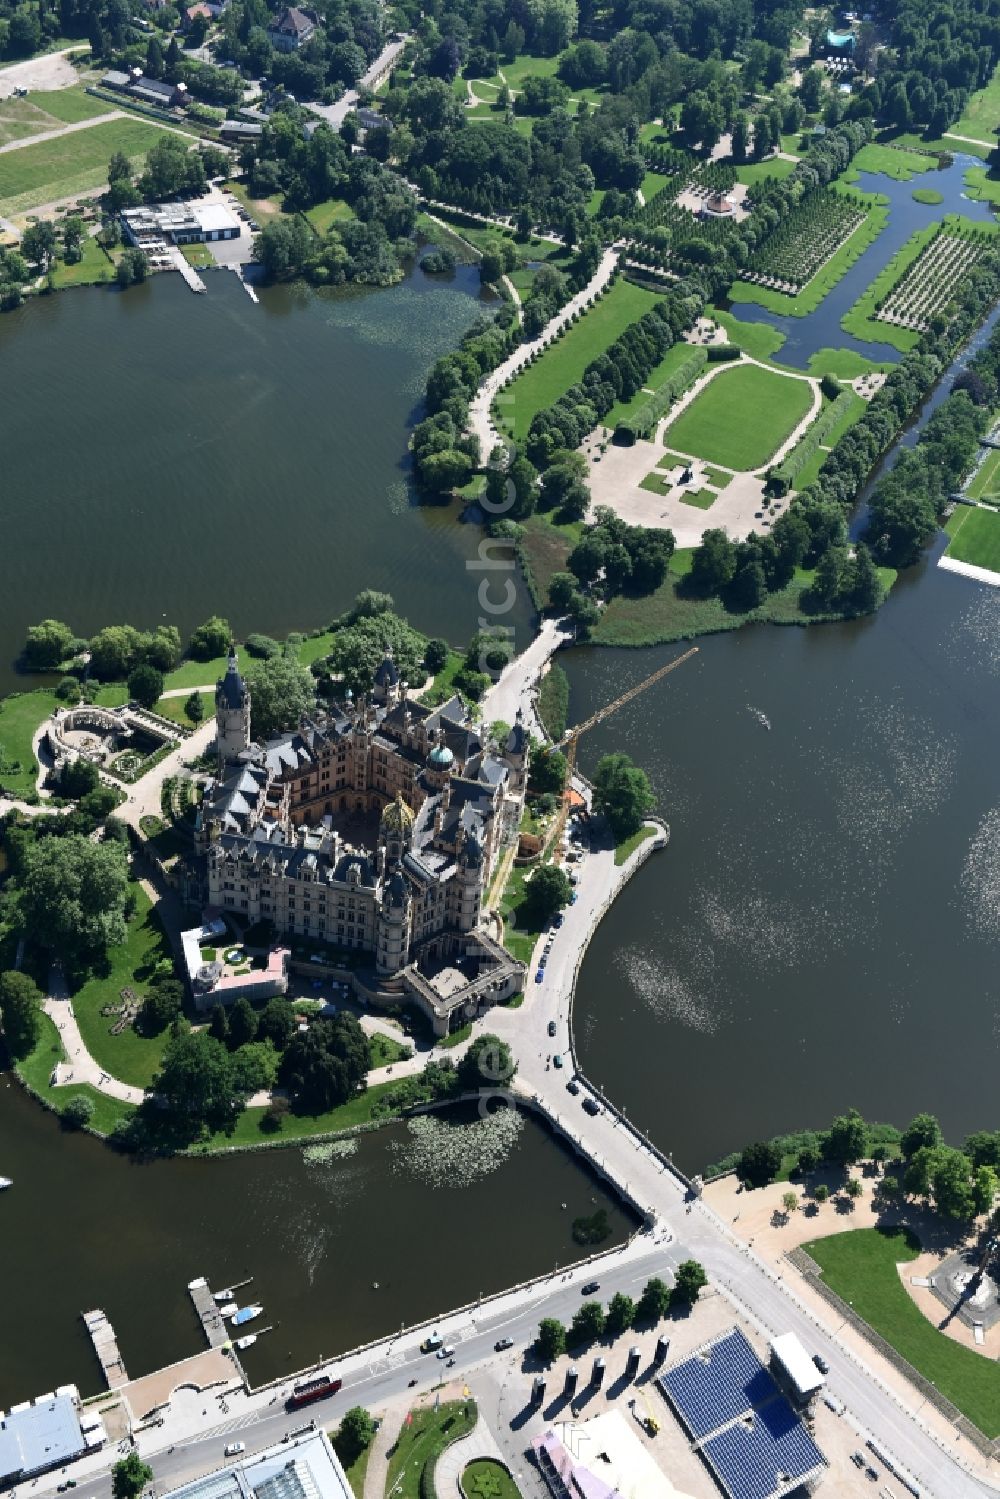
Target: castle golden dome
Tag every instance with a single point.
(396, 816)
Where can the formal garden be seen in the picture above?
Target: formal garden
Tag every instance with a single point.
(806, 239)
(741, 417)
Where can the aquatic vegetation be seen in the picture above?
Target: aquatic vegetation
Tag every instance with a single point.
(441, 1154)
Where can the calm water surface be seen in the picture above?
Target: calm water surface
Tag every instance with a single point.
(168, 456)
(83, 1227)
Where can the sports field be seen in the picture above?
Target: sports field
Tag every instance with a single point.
(564, 361)
(975, 537)
(70, 164)
(741, 417)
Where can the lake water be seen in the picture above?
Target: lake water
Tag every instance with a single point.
(805, 336)
(166, 456)
(823, 930)
(84, 1227)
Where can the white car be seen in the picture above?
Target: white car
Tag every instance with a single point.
(446, 1351)
(234, 1449)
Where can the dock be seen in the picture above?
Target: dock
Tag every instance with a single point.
(214, 1327)
(245, 283)
(187, 271)
(102, 1335)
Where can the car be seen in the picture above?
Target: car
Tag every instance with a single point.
(558, 919)
(446, 1351)
(557, 1060)
(574, 897)
(503, 1343)
(539, 975)
(591, 1106)
(572, 1086)
(821, 1363)
(552, 1027)
(233, 1449)
(590, 1287)
(429, 1344)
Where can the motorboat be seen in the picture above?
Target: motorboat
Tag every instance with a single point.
(229, 1309)
(247, 1314)
(6, 1181)
(222, 1297)
(247, 1341)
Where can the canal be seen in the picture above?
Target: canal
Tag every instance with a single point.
(434, 1221)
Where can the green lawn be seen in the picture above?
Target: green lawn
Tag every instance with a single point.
(545, 548)
(20, 716)
(826, 278)
(629, 845)
(671, 361)
(200, 256)
(564, 361)
(443, 686)
(173, 708)
(975, 537)
(334, 211)
(521, 932)
(861, 1267)
(929, 195)
(910, 138)
(386, 1051)
(981, 184)
(424, 1436)
(360, 1110)
(487, 1479)
(196, 674)
(860, 320)
(702, 499)
(36, 1069)
(772, 167)
(70, 164)
(987, 479)
(891, 161)
(982, 113)
(651, 184)
(527, 67)
(42, 112)
(853, 410)
(130, 1057)
(355, 1472)
(94, 267)
(741, 417)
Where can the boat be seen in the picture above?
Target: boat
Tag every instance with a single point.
(247, 1314)
(761, 718)
(222, 1297)
(6, 1181)
(248, 1341)
(229, 1309)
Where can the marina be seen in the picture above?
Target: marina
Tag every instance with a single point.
(105, 1343)
(210, 1315)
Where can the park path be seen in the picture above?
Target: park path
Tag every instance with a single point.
(970, 140)
(480, 421)
(80, 1066)
(51, 135)
(377, 1470)
(187, 691)
(454, 1459)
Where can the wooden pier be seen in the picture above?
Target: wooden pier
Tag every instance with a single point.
(209, 1315)
(102, 1335)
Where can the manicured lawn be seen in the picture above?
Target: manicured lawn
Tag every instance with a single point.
(200, 256)
(759, 340)
(70, 164)
(70, 105)
(826, 278)
(20, 716)
(980, 183)
(702, 499)
(528, 67)
(173, 708)
(987, 479)
(629, 845)
(196, 674)
(982, 113)
(929, 195)
(521, 932)
(131, 1057)
(428, 1433)
(671, 361)
(853, 410)
(651, 184)
(944, 143)
(774, 166)
(36, 1070)
(718, 477)
(360, 1110)
(94, 267)
(564, 361)
(891, 161)
(741, 417)
(386, 1051)
(487, 1479)
(443, 686)
(844, 364)
(333, 211)
(861, 1267)
(975, 537)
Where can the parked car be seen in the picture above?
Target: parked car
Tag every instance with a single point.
(821, 1363)
(591, 1106)
(429, 1344)
(539, 975)
(233, 1449)
(503, 1343)
(557, 1060)
(446, 1351)
(552, 1027)
(590, 1287)
(572, 1086)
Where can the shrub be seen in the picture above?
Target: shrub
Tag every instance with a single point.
(720, 353)
(78, 1112)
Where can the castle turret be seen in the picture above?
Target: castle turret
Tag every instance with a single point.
(232, 713)
(395, 834)
(393, 927)
(385, 687)
(516, 752)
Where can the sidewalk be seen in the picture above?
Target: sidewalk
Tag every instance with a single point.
(454, 1459)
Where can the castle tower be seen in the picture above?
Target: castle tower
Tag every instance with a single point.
(516, 753)
(232, 713)
(470, 882)
(385, 688)
(439, 766)
(395, 834)
(392, 928)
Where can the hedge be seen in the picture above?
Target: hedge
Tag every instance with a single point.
(643, 421)
(719, 353)
(804, 450)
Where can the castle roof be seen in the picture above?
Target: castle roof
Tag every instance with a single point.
(387, 674)
(397, 816)
(230, 690)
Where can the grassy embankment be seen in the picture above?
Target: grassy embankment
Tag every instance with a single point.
(763, 342)
(861, 1267)
(36, 1069)
(20, 716)
(69, 165)
(422, 1439)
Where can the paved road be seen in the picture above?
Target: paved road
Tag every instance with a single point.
(516, 685)
(335, 114)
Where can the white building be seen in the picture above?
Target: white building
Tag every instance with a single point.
(305, 1468)
(157, 225)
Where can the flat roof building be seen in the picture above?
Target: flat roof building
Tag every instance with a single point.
(794, 1369)
(160, 224)
(43, 1434)
(306, 1468)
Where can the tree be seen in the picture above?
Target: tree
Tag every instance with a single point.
(354, 1434)
(197, 1080)
(281, 690)
(622, 794)
(548, 890)
(145, 684)
(854, 1189)
(78, 778)
(194, 707)
(47, 645)
(551, 1341)
(133, 267)
(546, 770)
(822, 1192)
(808, 1160)
(487, 1063)
(758, 1164)
(73, 896)
(211, 639)
(38, 244)
(846, 1141)
(435, 655)
(587, 1324)
(327, 1064)
(789, 1203)
(154, 58)
(654, 1301)
(218, 1026)
(922, 1130)
(242, 1024)
(129, 1477)
(20, 1012)
(277, 1023)
(621, 1314)
(689, 1281)
(78, 1112)
(713, 563)
(163, 1003)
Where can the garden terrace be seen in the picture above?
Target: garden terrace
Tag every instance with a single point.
(805, 240)
(929, 284)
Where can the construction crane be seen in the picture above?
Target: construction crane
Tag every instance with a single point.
(571, 738)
